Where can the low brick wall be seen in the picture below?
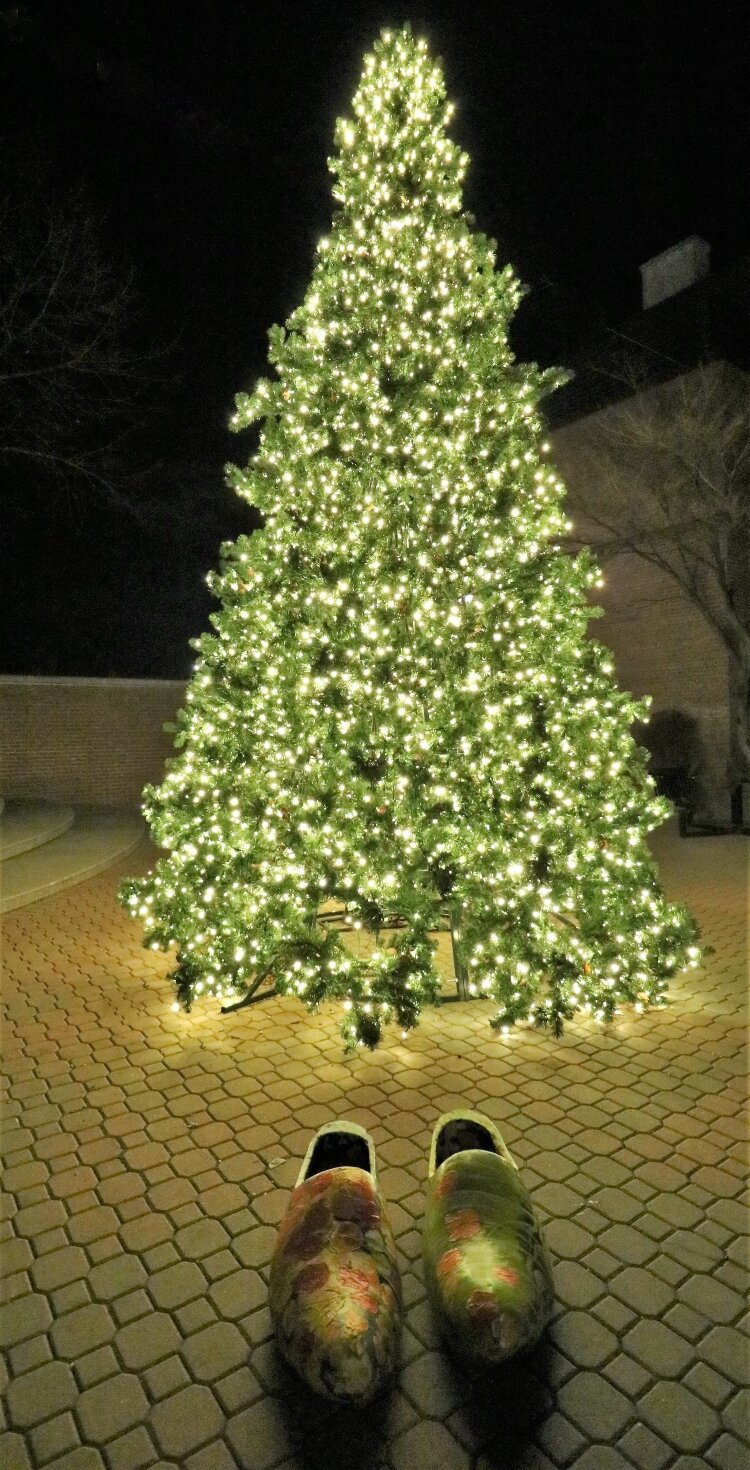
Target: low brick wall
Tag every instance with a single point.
(95, 742)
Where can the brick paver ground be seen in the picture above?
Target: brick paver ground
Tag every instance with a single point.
(149, 1158)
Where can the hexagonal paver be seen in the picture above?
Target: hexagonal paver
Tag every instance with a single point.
(155, 1152)
(215, 1351)
(186, 1421)
(147, 1340)
(81, 1331)
(587, 1342)
(177, 1284)
(116, 1277)
(23, 1318)
(663, 1351)
(429, 1444)
(201, 1238)
(236, 1295)
(595, 1406)
(260, 1435)
(255, 1247)
(40, 1394)
(679, 1416)
(710, 1297)
(111, 1407)
(641, 1290)
(432, 1384)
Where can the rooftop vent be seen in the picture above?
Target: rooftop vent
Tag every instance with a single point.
(674, 270)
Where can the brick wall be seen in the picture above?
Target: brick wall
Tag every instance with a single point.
(94, 742)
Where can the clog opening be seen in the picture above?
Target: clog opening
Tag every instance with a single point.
(459, 1134)
(339, 1151)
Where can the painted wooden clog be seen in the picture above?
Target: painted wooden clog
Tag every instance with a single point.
(486, 1268)
(335, 1290)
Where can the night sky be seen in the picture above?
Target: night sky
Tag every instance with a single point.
(599, 135)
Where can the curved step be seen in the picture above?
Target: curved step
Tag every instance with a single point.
(28, 824)
(97, 838)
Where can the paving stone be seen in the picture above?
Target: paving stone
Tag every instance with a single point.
(22, 1176)
(627, 1375)
(685, 1321)
(601, 1457)
(172, 1193)
(215, 1351)
(186, 1420)
(688, 1462)
(592, 1403)
(646, 1449)
(726, 1350)
(116, 1277)
(201, 1238)
(81, 1331)
(708, 1296)
(663, 1351)
(94, 1366)
(93, 1224)
(728, 1453)
(613, 1314)
(627, 1244)
(177, 1284)
(709, 1385)
(23, 1318)
(113, 1406)
(255, 1247)
(146, 1231)
(85, 1457)
(132, 1451)
(13, 1452)
(195, 1094)
(583, 1340)
(54, 1438)
(682, 1419)
(260, 1434)
(236, 1295)
(166, 1377)
(215, 1456)
(39, 1218)
(223, 1199)
(617, 1205)
(40, 1393)
(195, 1315)
(641, 1291)
(575, 1285)
(146, 1341)
(238, 1390)
(566, 1239)
(429, 1443)
(736, 1415)
(432, 1385)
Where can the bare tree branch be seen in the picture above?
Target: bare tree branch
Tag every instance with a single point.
(665, 477)
(72, 380)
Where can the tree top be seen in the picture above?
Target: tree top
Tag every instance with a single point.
(394, 152)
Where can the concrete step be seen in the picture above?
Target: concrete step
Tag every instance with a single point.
(96, 839)
(29, 824)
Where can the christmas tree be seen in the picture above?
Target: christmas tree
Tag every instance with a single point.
(398, 712)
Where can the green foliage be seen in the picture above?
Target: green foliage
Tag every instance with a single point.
(398, 708)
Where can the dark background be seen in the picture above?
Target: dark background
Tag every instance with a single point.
(599, 135)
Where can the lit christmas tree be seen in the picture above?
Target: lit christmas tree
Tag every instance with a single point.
(398, 711)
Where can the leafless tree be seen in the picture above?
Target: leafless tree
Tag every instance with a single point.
(70, 378)
(666, 476)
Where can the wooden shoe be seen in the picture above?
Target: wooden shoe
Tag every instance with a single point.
(335, 1292)
(486, 1269)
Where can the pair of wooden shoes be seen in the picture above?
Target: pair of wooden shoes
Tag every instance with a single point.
(335, 1290)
